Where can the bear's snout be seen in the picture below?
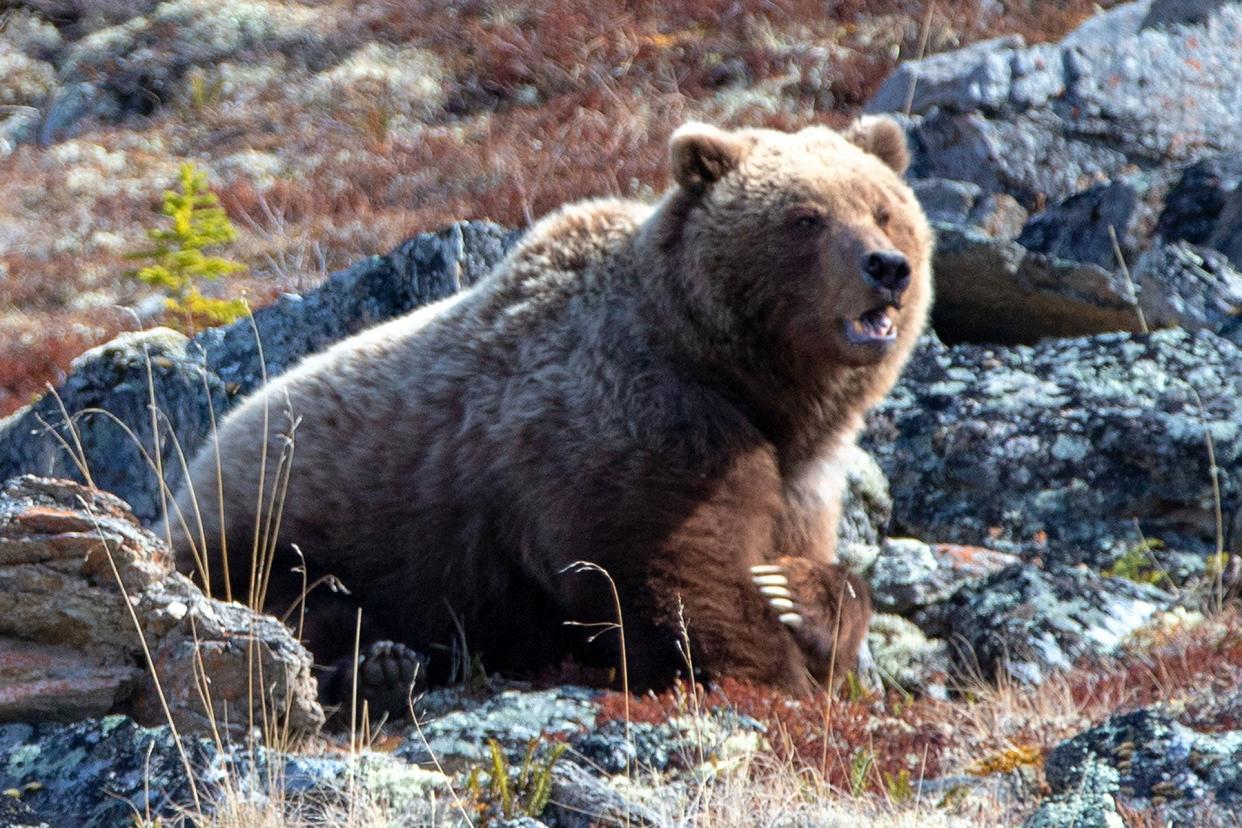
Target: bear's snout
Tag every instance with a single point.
(888, 270)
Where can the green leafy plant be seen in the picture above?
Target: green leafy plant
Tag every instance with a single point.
(510, 793)
(196, 223)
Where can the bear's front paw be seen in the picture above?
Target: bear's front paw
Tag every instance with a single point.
(773, 583)
(825, 609)
(389, 675)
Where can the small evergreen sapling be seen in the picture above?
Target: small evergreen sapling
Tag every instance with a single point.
(196, 222)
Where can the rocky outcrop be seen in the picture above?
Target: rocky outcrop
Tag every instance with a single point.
(93, 620)
(908, 575)
(102, 420)
(1147, 759)
(1029, 623)
(99, 773)
(1056, 450)
(1096, 135)
(1039, 121)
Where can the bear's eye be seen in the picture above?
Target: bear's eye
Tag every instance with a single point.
(807, 220)
(882, 216)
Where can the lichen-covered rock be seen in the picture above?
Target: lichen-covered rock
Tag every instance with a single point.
(1029, 623)
(908, 574)
(1190, 287)
(904, 656)
(101, 416)
(426, 268)
(1193, 206)
(1078, 227)
(1040, 122)
(1148, 758)
(458, 738)
(866, 509)
(86, 593)
(1090, 804)
(683, 743)
(100, 773)
(1056, 449)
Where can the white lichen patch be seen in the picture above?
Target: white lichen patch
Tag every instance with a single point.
(24, 81)
(387, 80)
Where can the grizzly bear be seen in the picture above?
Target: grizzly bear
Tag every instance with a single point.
(659, 390)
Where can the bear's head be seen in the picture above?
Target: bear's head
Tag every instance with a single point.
(810, 240)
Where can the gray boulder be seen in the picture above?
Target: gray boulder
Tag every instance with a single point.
(1040, 122)
(1190, 287)
(1091, 804)
(1148, 758)
(991, 289)
(1029, 623)
(1078, 227)
(101, 419)
(1194, 204)
(1055, 450)
(1061, 276)
(908, 574)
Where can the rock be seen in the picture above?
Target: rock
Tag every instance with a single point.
(907, 658)
(1061, 275)
(946, 201)
(994, 290)
(1164, 13)
(16, 814)
(866, 509)
(1091, 804)
(428, 267)
(580, 800)
(1054, 450)
(1077, 228)
(1030, 623)
(1190, 287)
(97, 773)
(683, 743)
(1193, 206)
(69, 647)
(108, 393)
(100, 773)
(908, 574)
(459, 738)
(1227, 237)
(1148, 758)
(1043, 122)
(992, 75)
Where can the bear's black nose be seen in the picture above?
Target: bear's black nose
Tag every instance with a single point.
(887, 269)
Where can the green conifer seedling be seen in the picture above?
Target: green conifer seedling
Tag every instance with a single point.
(196, 222)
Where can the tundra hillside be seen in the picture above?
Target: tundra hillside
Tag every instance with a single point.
(1047, 508)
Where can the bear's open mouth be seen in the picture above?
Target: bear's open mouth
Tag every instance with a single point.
(873, 326)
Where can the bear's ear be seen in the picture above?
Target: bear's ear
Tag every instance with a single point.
(703, 154)
(883, 138)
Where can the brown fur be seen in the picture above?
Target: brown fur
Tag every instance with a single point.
(660, 390)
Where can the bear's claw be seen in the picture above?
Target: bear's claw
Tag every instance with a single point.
(773, 584)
